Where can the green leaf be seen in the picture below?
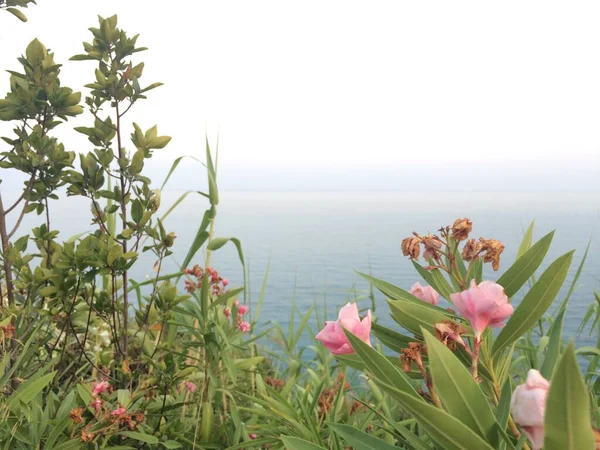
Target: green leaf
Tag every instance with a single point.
(360, 440)
(381, 367)
(554, 345)
(18, 14)
(536, 301)
(47, 291)
(390, 338)
(294, 443)
(568, 423)
(436, 280)
(217, 243)
(527, 240)
(459, 392)
(27, 391)
(173, 167)
(142, 437)
(448, 431)
(503, 409)
(415, 316)
(171, 444)
(517, 275)
(198, 242)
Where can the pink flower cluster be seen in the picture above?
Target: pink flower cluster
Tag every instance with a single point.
(241, 311)
(217, 283)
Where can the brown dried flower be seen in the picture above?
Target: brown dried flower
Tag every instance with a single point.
(449, 333)
(461, 229)
(414, 354)
(492, 249)
(432, 244)
(76, 414)
(411, 247)
(471, 250)
(8, 331)
(140, 417)
(86, 436)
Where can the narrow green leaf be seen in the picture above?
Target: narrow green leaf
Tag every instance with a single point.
(448, 431)
(199, 240)
(360, 440)
(554, 345)
(294, 443)
(535, 303)
(527, 240)
(379, 366)
(436, 280)
(414, 316)
(568, 424)
(517, 275)
(390, 338)
(27, 391)
(459, 392)
(18, 14)
(142, 437)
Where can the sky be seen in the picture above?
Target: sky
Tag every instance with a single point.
(382, 95)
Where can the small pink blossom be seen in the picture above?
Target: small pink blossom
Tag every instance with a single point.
(528, 406)
(100, 387)
(227, 312)
(483, 305)
(244, 327)
(190, 386)
(225, 281)
(118, 412)
(242, 310)
(425, 293)
(333, 336)
(252, 436)
(236, 303)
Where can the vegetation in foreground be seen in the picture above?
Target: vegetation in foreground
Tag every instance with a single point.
(92, 358)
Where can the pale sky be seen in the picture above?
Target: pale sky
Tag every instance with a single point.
(386, 94)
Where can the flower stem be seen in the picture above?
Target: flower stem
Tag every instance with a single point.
(475, 356)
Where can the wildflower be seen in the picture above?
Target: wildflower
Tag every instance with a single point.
(471, 250)
(76, 414)
(244, 327)
(191, 387)
(100, 387)
(189, 286)
(236, 303)
(461, 229)
(528, 406)
(118, 412)
(225, 281)
(242, 310)
(227, 312)
(140, 417)
(425, 293)
(411, 247)
(483, 305)
(492, 249)
(253, 436)
(8, 331)
(333, 336)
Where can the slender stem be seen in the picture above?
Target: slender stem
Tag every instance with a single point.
(474, 366)
(124, 243)
(4, 238)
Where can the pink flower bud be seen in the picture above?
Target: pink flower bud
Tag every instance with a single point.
(333, 337)
(244, 327)
(528, 405)
(100, 387)
(425, 293)
(118, 412)
(97, 405)
(225, 281)
(484, 305)
(252, 436)
(227, 312)
(236, 303)
(242, 310)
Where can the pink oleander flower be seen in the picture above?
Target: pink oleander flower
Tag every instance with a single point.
(242, 310)
(225, 281)
(425, 293)
(244, 327)
(528, 405)
(483, 305)
(100, 387)
(118, 412)
(333, 337)
(191, 387)
(227, 312)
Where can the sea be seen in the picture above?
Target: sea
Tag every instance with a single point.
(306, 248)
